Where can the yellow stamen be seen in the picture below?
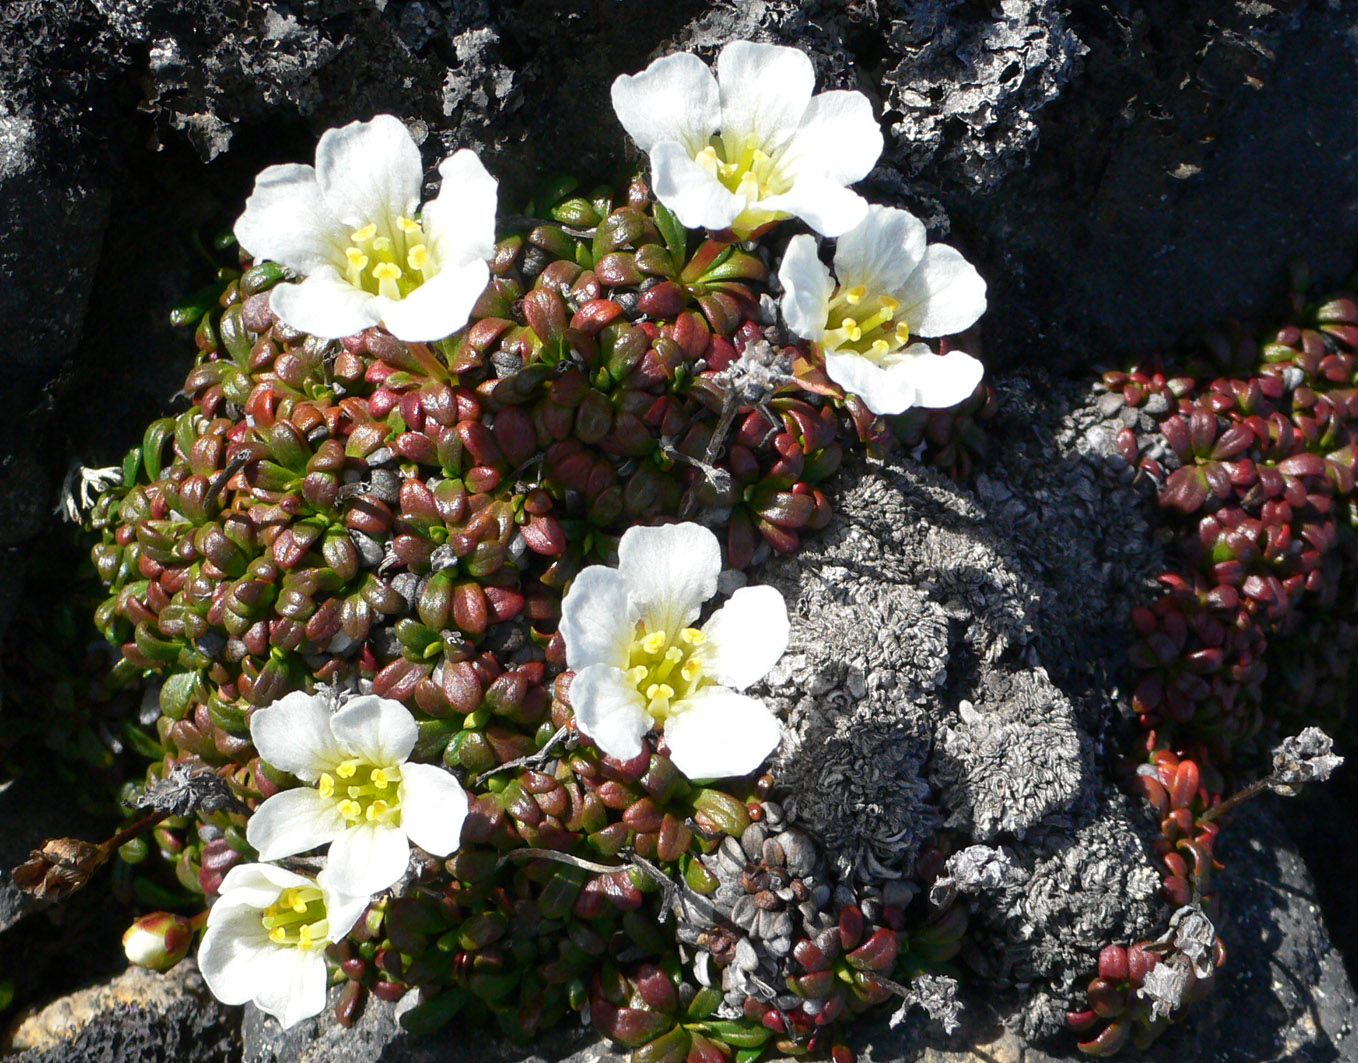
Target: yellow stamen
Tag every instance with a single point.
(638, 674)
(377, 810)
(902, 332)
(364, 234)
(380, 779)
(693, 636)
(692, 669)
(417, 257)
(851, 329)
(659, 690)
(350, 809)
(357, 259)
(325, 785)
(654, 642)
(889, 303)
(346, 769)
(406, 225)
(853, 296)
(278, 935)
(382, 245)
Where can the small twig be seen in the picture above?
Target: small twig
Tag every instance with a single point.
(527, 221)
(531, 760)
(560, 858)
(1236, 799)
(237, 462)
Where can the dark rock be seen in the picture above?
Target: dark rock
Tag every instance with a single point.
(1283, 993)
(138, 1017)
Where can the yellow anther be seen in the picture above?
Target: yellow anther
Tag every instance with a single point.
(637, 674)
(326, 784)
(880, 347)
(693, 636)
(377, 810)
(889, 303)
(692, 669)
(417, 257)
(387, 271)
(364, 234)
(654, 642)
(902, 332)
(382, 245)
(659, 691)
(380, 778)
(278, 935)
(350, 809)
(853, 296)
(407, 225)
(357, 259)
(851, 329)
(304, 940)
(346, 769)
(674, 655)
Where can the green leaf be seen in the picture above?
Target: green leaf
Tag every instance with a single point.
(673, 231)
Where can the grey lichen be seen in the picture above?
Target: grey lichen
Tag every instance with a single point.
(952, 675)
(937, 995)
(1302, 758)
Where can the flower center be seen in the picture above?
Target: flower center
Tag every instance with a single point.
(864, 324)
(746, 169)
(298, 918)
(363, 793)
(665, 670)
(391, 265)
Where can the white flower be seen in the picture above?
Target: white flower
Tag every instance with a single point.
(266, 937)
(891, 288)
(350, 226)
(640, 664)
(751, 145)
(366, 801)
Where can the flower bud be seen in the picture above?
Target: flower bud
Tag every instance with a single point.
(158, 941)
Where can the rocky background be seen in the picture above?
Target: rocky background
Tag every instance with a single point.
(1120, 171)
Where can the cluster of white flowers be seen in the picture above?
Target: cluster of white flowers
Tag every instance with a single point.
(364, 799)
(734, 152)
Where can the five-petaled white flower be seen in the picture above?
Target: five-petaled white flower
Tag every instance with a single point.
(266, 937)
(751, 145)
(639, 663)
(891, 288)
(350, 226)
(365, 799)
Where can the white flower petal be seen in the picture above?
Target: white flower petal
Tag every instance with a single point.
(939, 381)
(324, 304)
(293, 734)
(367, 859)
(697, 198)
(609, 710)
(826, 206)
(287, 221)
(254, 886)
(670, 571)
(944, 295)
(881, 251)
(807, 288)
(376, 730)
(234, 948)
(880, 389)
(745, 637)
(370, 172)
(459, 223)
(598, 620)
(291, 985)
(433, 808)
(718, 733)
(765, 90)
(675, 98)
(342, 910)
(438, 307)
(293, 822)
(838, 138)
